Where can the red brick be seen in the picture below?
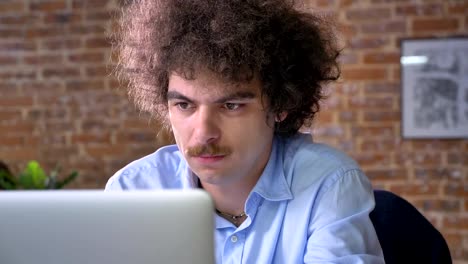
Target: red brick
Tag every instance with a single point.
(347, 116)
(19, 19)
(48, 6)
(11, 33)
(386, 174)
(346, 3)
(137, 124)
(87, 30)
(434, 24)
(377, 145)
(91, 138)
(58, 152)
(61, 44)
(52, 140)
(45, 32)
(45, 101)
(45, 87)
(456, 190)
(348, 58)
(19, 154)
(371, 103)
(368, 42)
(99, 16)
(416, 189)
(325, 3)
(382, 116)
(31, 141)
(62, 72)
(86, 57)
(96, 42)
(6, 115)
(84, 85)
(437, 174)
(364, 74)
(457, 158)
(105, 151)
(381, 13)
(79, 4)
(329, 131)
(439, 205)
(441, 145)
(17, 101)
(419, 10)
(384, 131)
(372, 159)
(18, 75)
(56, 113)
(97, 126)
(347, 30)
(454, 240)
(11, 140)
(135, 137)
(11, 6)
(381, 88)
(8, 60)
(382, 58)
(419, 158)
(17, 46)
(43, 59)
(62, 18)
(398, 26)
(458, 8)
(99, 71)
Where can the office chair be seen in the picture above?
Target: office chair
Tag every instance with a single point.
(405, 235)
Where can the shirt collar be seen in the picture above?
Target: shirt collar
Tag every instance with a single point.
(272, 184)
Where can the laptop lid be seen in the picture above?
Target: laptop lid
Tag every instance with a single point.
(96, 227)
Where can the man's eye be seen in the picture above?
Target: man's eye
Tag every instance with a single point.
(231, 106)
(183, 105)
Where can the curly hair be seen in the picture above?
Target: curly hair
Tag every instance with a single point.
(292, 52)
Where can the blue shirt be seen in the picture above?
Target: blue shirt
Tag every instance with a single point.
(310, 205)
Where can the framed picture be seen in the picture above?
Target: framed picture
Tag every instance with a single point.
(434, 84)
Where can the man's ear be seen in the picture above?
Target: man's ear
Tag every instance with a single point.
(281, 116)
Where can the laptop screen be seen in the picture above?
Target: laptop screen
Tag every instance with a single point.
(77, 227)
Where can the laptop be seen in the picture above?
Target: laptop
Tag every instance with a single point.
(96, 227)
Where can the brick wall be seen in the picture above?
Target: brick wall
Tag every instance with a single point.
(58, 103)
(363, 114)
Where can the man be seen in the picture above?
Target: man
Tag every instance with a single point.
(235, 80)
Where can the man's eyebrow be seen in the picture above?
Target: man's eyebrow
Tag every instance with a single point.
(171, 95)
(241, 95)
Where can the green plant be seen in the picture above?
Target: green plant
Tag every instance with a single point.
(33, 177)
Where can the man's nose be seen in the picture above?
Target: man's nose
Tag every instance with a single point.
(207, 126)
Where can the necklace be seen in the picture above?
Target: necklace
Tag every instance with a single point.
(234, 218)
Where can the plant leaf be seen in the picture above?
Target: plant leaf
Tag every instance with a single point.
(7, 181)
(67, 180)
(33, 177)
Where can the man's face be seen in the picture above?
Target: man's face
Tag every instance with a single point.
(223, 130)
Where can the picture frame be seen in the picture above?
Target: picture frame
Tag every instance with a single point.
(434, 83)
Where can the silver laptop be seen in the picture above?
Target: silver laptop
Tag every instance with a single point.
(96, 227)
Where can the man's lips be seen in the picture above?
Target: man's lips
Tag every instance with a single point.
(209, 158)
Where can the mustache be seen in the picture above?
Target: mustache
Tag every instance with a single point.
(209, 149)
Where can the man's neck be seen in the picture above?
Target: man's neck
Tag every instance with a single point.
(230, 198)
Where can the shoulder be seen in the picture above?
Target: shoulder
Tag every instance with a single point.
(311, 164)
(300, 151)
(148, 170)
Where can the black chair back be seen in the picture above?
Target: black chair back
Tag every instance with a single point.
(405, 235)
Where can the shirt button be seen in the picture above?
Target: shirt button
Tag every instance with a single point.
(234, 239)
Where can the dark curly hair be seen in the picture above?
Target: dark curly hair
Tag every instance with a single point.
(292, 52)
